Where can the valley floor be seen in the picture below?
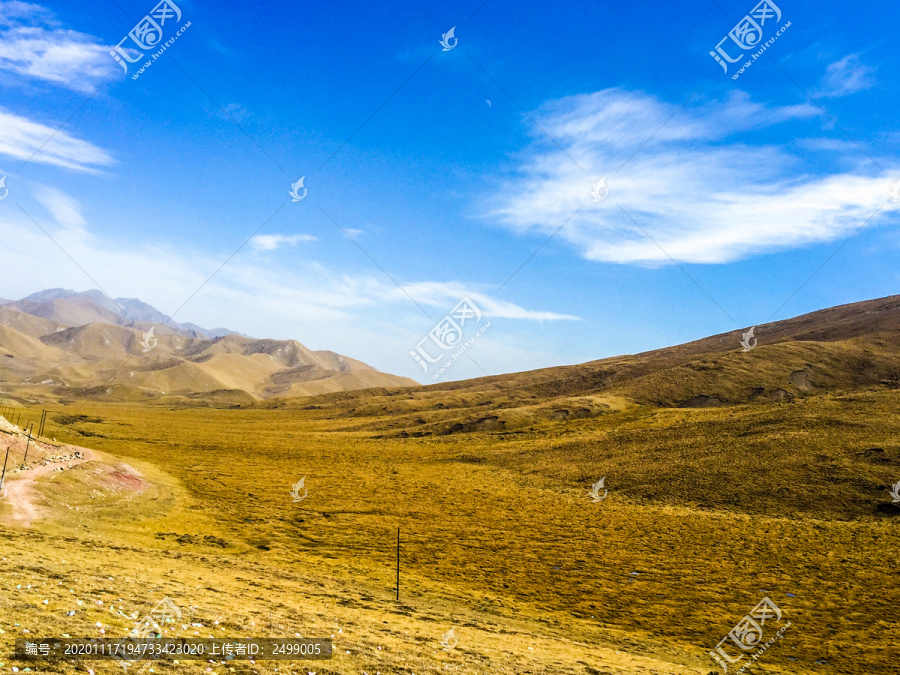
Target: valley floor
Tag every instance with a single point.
(708, 512)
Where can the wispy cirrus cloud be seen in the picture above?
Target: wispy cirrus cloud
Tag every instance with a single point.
(445, 294)
(64, 210)
(701, 192)
(35, 45)
(21, 138)
(272, 242)
(846, 76)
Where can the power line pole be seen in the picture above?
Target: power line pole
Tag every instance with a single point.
(398, 563)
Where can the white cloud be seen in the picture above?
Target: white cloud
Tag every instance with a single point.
(21, 138)
(846, 76)
(230, 111)
(33, 44)
(271, 242)
(63, 209)
(698, 190)
(14, 12)
(620, 119)
(445, 295)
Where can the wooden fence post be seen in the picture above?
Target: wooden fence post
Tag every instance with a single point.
(4, 468)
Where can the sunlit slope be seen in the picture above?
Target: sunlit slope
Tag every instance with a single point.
(22, 346)
(33, 326)
(839, 349)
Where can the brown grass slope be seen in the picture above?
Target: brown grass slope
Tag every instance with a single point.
(838, 349)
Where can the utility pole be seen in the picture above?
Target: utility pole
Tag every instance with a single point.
(398, 563)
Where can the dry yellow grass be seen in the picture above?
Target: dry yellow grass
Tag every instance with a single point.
(708, 511)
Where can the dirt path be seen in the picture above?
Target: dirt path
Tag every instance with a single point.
(20, 494)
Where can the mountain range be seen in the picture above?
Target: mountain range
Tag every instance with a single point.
(85, 344)
(78, 308)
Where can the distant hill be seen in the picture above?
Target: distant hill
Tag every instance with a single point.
(846, 346)
(849, 348)
(83, 344)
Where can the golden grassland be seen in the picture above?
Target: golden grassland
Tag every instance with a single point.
(708, 511)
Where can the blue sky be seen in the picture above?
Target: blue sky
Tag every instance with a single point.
(451, 170)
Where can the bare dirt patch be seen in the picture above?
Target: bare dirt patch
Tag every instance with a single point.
(33, 465)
